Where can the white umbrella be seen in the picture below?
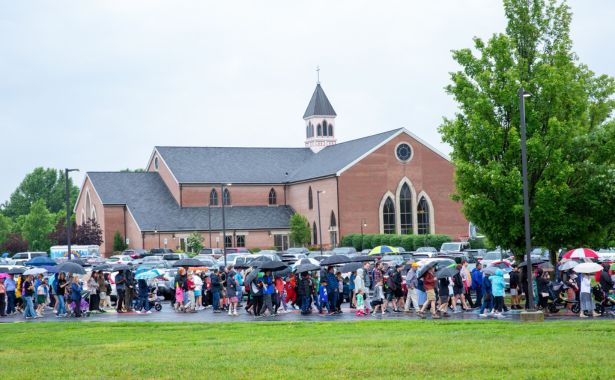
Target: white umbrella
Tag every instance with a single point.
(568, 265)
(588, 268)
(35, 271)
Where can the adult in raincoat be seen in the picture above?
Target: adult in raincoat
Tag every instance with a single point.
(497, 288)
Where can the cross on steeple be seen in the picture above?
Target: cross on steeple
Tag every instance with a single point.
(318, 74)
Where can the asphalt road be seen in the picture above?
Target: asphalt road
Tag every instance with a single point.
(167, 314)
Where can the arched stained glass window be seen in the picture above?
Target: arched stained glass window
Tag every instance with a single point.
(422, 211)
(388, 216)
(405, 209)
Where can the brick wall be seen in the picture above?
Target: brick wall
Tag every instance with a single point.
(241, 195)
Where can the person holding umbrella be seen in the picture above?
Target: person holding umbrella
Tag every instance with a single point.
(9, 282)
(429, 284)
(267, 293)
(332, 289)
(411, 284)
(444, 294)
(304, 292)
(61, 291)
(497, 288)
(231, 290)
(587, 304)
(75, 294)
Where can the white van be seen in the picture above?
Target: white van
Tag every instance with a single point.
(21, 257)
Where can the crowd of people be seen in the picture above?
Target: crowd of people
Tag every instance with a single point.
(372, 289)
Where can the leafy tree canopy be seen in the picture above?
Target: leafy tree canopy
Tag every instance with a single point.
(38, 224)
(46, 184)
(299, 230)
(195, 242)
(570, 137)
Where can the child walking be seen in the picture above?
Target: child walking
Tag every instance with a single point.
(378, 298)
(360, 304)
(323, 297)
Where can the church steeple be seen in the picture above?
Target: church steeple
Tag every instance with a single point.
(319, 119)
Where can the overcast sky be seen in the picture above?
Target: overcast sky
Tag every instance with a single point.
(97, 84)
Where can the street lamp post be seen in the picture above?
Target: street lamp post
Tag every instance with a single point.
(526, 201)
(223, 221)
(363, 225)
(68, 225)
(209, 222)
(318, 192)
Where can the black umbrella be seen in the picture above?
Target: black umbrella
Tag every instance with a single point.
(351, 267)
(189, 263)
(68, 267)
(251, 276)
(103, 267)
(363, 258)
(40, 261)
(77, 261)
(422, 270)
(446, 272)
(534, 263)
(272, 266)
(546, 266)
(306, 268)
(334, 260)
(119, 267)
(282, 273)
(4, 270)
(16, 270)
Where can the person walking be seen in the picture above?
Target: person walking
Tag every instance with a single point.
(497, 289)
(28, 293)
(215, 290)
(2, 298)
(61, 292)
(304, 292)
(514, 288)
(10, 285)
(93, 287)
(143, 291)
(351, 288)
(120, 287)
(377, 299)
(323, 298)
(267, 294)
(102, 292)
(487, 297)
(444, 295)
(429, 283)
(42, 291)
(75, 294)
(458, 289)
(291, 293)
(542, 285)
(411, 284)
(477, 284)
(587, 305)
(231, 290)
(198, 290)
(332, 290)
(466, 278)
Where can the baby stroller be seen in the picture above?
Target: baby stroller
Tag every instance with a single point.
(85, 305)
(558, 299)
(603, 300)
(153, 300)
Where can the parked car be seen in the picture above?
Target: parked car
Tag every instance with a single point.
(475, 255)
(160, 251)
(238, 250)
(207, 260)
(120, 259)
(215, 252)
(540, 254)
(430, 251)
(136, 253)
(292, 258)
(173, 257)
(392, 260)
(231, 259)
(347, 251)
(21, 257)
(401, 249)
(161, 265)
(454, 247)
(493, 256)
(298, 250)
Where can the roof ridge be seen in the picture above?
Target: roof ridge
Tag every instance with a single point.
(232, 147)
(364, 137)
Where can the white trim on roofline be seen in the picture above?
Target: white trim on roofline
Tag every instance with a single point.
(165, 164)
(87, 176)
(402, 130)
(133, 218)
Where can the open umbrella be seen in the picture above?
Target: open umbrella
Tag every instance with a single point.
(6, 275)
(251, 276)
(306, 268)
(490, 270)
(16, 270)
(588, 268)
(119, 267)
(103, 267)
(534, 263)
(383, 250)
(580, 253)
(148, 274)
(449, 271)
(351, 267)
(335, 260)
(189, 262)
(69, 267)
(283, 272)
(40, 261)
(363, 258)
(612, 266)
(568, 265)
(272, 266)
(35, 271)
(77, 261)
(422, 270)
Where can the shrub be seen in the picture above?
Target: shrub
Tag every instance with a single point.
(407, 241)
(347, 240)
(376, 240)
(367, 242)
(357, 242)
(395, 241)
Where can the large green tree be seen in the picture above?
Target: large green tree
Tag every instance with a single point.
(195, 242)
(570, 138)
(5, 228)
(38, 224)
(299, 229)
(47, 184)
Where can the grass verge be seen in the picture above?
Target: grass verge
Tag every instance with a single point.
(378, 349)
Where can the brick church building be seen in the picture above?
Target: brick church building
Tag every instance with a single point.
(390, 182)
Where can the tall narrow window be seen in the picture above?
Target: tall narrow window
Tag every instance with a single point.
(330, 130)
(310, 201)
(333, 230)
(405, 209)
(319, 130)
(333, 222)
(314, 234)
(226, 197)
(424, 227)
(324, 128)
(272, 197)
(228, 241)
(241, 241)
(388, 216)
(213, 197)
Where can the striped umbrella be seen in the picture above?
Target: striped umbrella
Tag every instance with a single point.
(382, 250)
(581, 253)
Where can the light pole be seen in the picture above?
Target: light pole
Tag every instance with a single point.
(526, 201)
(318, 192)
(209, 222)
(363, 225)
(223, 221)
(67, 190)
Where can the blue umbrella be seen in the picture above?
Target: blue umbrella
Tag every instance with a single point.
(40, 261)
(148, 274)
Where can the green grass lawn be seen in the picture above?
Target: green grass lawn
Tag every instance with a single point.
(308, 350)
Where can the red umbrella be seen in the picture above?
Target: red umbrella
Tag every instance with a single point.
(581, 253)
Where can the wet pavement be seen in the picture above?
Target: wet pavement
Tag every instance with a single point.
(167, 314)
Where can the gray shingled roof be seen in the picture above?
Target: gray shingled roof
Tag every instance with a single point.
(264, 165)
(319, 104)
(153, 206)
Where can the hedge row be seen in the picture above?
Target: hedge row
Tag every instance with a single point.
(409, 242)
